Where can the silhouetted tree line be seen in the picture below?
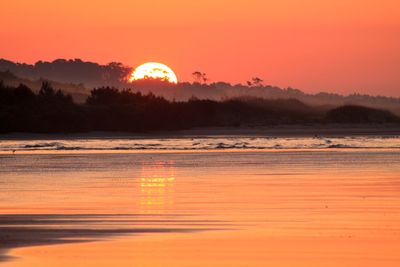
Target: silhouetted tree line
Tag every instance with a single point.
(110, 109)
(74, 71)
(77, 77)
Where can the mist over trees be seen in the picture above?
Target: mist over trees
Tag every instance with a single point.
(74, 71)
(110, 109)
(77, 77)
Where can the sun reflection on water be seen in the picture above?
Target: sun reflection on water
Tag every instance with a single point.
(157, 181)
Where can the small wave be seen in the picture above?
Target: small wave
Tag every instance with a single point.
(42, 145)
(223, 146)
(70, 148)
(342, 146)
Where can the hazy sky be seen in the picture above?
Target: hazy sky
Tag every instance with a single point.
(331, 45)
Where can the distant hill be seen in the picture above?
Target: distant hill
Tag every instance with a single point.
(74, 71)
(77, 77)
(360, 114)
(77, 91)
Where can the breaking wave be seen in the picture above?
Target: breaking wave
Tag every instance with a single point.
(201, 143)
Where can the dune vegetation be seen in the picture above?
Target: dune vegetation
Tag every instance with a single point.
(111, 109)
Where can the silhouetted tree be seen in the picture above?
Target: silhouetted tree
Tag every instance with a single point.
(255, 81)
(200, 77)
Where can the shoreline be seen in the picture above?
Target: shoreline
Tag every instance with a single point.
(330, 130)
(198, 151)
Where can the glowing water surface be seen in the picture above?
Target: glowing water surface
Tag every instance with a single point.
(228, 208)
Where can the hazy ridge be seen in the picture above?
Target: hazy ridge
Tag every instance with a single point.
(77, 77)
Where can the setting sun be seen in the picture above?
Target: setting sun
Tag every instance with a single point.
(153, 70)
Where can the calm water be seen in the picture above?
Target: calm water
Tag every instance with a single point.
(230, 208)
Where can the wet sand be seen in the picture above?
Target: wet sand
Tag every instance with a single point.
(282, 208)
(46, 229)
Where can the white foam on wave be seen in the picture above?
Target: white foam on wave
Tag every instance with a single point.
(202, 143)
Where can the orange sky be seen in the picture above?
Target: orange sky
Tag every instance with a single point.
(332, 45)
